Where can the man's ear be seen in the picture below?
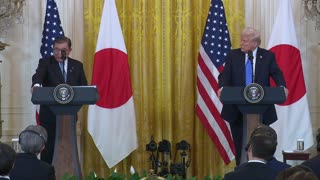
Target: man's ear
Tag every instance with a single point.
(247, 147)
(250, 148)
(42, 148)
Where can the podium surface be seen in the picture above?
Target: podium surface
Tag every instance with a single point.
(65, 158)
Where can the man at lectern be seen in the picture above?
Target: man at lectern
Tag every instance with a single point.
(243, 66)
(52, 71)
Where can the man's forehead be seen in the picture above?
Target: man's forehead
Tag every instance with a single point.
(61, 45)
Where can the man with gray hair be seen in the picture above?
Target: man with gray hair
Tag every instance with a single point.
(245, 65)
(27, 166)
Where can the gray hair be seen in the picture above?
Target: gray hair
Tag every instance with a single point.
(33, 139)
(253, 33)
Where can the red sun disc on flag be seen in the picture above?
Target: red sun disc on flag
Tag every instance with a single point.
(112, 77)
(289, 60)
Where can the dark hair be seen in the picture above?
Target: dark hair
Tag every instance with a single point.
(62, 39)
(265, 130)
(263, 140)
(262, 146)
(7, 159)
(296, 173)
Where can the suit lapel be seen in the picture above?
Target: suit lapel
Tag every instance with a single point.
(70, 70)
(259, 63)
(242, 66)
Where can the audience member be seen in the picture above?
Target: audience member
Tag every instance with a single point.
(314, 163)
(27, 165)
(273, 162)
(298, 172)
(260, 148)
(7, 159)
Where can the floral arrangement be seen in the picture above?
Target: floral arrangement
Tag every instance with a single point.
(135, 176)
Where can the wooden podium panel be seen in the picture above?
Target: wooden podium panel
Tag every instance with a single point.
(65, 157)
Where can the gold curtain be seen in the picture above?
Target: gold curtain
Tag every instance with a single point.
(162, 39)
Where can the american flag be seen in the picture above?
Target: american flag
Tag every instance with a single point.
(214, 47)
(51, 29)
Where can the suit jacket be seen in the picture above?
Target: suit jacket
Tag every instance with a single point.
(314, 164)
(272, 163)
(252, 171)
(49, 74)
(29, 167)
(277, 165)
(234, 75)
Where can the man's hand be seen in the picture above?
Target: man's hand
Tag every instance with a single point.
(286, 92)
(36, 85)
(219, 92)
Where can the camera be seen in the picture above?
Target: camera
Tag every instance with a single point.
(164, 146)
(183, 145)
(178, 169)
(151, 146)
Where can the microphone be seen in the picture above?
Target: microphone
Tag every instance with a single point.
(250, 57)
(63, 55)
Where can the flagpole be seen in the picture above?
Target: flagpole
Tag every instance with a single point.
(1, 121)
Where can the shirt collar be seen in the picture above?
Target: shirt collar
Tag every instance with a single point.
(7, 177)
(258, 161)
(254, 53)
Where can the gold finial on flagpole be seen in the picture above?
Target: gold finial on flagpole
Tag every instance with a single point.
(3, 45)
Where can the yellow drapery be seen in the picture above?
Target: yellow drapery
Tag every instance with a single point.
(162, 39)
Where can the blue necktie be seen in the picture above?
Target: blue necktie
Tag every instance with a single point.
(248, 72)
(64, 74)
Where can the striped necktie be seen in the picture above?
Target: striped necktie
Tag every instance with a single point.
(64, 74)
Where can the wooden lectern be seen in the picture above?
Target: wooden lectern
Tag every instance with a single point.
(65, 158)
(252, 112)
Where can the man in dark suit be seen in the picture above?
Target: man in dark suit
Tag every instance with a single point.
(27, 165)
(259, 149)
(7, 159)
(273, 162)
(234, 74)
(51, 72)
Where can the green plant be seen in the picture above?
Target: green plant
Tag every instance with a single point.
(216, 177)
(91, 176)
(135, 176)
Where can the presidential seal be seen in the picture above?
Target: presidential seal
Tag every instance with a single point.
(63, 93)
(253, 93)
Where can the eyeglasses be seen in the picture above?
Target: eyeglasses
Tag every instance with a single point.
(57, 51)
